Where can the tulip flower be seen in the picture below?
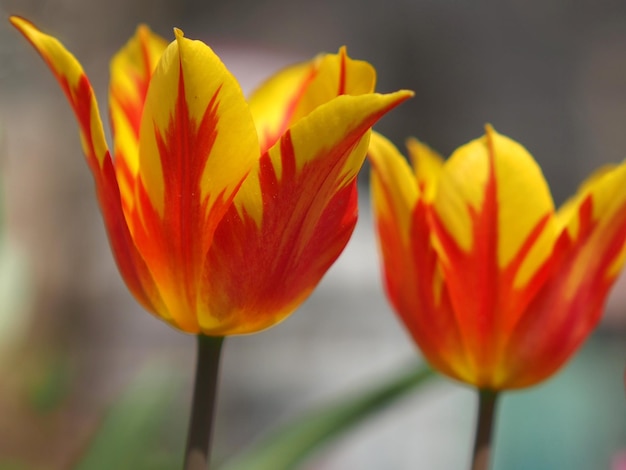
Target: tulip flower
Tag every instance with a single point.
(222, 214)
(496, 287)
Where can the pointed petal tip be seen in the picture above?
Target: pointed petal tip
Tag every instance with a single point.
(15, 20)
(143, 30)
(178, 33)
(401, 96)
(20, 23)
(414, 142)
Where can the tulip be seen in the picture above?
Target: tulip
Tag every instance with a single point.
(222, 214)
(496, 287)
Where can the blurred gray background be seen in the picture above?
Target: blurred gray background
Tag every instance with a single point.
(550, 74)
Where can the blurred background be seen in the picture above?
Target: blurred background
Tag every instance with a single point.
(550, 74)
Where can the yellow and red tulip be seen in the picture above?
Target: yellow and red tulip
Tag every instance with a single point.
(223, 214)
(497, 287)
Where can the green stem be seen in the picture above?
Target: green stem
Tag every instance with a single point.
(487, 400)
(198, 451)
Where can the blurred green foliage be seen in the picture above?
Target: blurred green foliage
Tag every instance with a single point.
(294, 442)
(14, 466)
(51, 385)
(131, 434)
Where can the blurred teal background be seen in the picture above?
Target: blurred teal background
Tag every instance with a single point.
(550, 74)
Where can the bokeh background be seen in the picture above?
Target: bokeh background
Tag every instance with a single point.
(551, 74)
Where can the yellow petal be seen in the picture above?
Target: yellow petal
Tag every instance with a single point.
(192, 89)
(336, 74)
(261, 268)
(319, 131)
(412, 276)
(197, 144)
(335, 122)
(394, 187)
(495, 234)
(566, 214)
(605, 191)
(78, 90)
(589, 256)
(131, 70)
(521, 194)
(274, 102)
(296, 91)
(76, 87)
(427, 165)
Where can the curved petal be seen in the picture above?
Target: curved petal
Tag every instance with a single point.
(566, 214)
(76, 87)
(275, 101)
(395, 191)
(78, 90)
(131, 70)
(269, 253)
(413, 278)
(591, 254)
(427, 165)
(336, 75)
(197, 144)
(493, 216)
(296, 91)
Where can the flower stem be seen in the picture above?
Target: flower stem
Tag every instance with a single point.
(198, 451)
(482, 445)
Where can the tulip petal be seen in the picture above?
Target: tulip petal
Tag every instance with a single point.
(427, 165)
(76, 87)
(297, 90)
(273, 246)
(395, 191)
(495, 233)
(131, 70)
(413, 278)
(566, 214)
(591, 253)
(197, 144)
(275, 101)
(79, 92)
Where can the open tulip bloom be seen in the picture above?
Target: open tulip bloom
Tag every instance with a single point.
(496, 287)
(222, 214)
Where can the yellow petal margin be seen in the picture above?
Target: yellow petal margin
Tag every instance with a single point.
(75, 85)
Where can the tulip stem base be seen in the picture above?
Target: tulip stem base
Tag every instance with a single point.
(198, 450)
(487, 400)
